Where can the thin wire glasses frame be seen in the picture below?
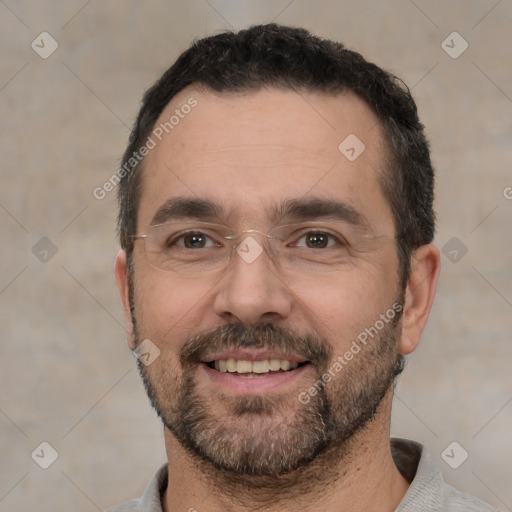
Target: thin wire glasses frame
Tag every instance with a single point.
(196, 247)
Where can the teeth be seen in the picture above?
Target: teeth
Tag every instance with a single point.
(244, 366)
(260, 366)
(275, 364)
(264, 366)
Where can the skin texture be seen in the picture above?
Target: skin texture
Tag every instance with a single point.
(249, 152)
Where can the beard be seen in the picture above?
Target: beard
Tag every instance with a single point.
(271, 435)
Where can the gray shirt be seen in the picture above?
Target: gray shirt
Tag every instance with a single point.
(428, 491)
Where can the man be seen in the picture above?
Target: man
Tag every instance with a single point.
(277, 264)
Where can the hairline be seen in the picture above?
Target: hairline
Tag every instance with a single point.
(386, 174)
(388, 153)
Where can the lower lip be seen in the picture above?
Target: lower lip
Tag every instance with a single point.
(253, 386)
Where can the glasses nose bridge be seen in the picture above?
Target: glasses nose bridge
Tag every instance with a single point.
(256, 242)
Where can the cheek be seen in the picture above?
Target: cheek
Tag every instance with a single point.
(335, 312)
(167, 309)
(339, 306)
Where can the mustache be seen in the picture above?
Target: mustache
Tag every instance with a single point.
(262, 336)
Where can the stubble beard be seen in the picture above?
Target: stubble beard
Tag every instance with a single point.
(233, 438)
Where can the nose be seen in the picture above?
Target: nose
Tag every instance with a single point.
(252, 291)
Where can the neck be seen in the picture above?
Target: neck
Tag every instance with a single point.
(358, 476)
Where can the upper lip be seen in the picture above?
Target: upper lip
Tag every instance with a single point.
(252, 355)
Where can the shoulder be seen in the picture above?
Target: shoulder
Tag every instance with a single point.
(459, 502)
(428, 491)
(127, 506)
(151, 498)
(449, 499)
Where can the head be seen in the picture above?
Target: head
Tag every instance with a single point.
(244, 132)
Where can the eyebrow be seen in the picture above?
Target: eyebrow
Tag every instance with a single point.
(186, 208)
(292, 210)
(299, 210)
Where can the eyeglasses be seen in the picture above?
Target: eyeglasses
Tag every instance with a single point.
(195, 248)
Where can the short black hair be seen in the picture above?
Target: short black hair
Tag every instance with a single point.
(292, 58)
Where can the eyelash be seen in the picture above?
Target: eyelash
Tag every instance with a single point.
(173, 241)
(337, 239)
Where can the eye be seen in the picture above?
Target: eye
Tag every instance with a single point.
(192, 240)
(317, 240)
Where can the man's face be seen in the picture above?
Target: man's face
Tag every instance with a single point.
(262, 161)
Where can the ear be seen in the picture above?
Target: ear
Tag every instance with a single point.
(122, 279)
(419, 295)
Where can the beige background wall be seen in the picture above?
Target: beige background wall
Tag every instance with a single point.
(67, 377)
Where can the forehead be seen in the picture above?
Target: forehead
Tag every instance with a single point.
(253, 151)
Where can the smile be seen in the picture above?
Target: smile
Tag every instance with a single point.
(254, 368)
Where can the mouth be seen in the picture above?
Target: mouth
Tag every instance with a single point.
(255, 368)
(252, 372)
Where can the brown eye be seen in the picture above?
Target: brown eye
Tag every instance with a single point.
(317, 240)
(194, 240)
(191, 240)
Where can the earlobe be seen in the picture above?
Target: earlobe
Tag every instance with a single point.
(123, 285)
(419, 295)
